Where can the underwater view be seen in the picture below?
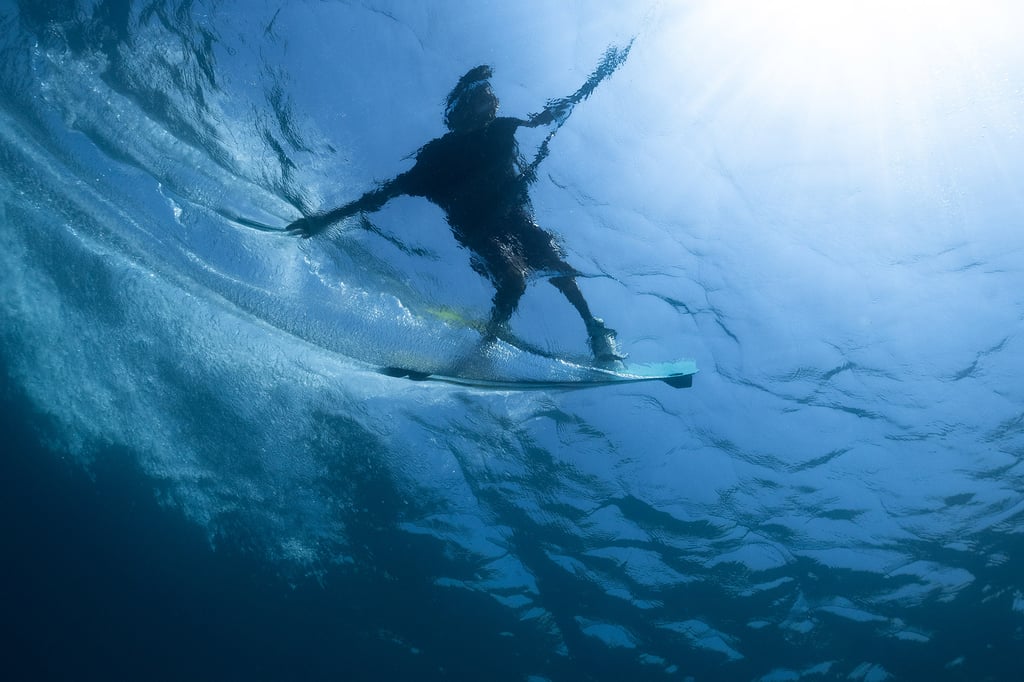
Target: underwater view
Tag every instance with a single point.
(332, 340)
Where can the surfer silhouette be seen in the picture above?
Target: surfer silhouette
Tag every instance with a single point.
(476, 174)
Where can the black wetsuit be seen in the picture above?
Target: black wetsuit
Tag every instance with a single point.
(474, 176)
(477, 176)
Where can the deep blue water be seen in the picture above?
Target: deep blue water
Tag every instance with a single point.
(204, 478)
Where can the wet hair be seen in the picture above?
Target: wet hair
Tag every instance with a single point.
(454, 114)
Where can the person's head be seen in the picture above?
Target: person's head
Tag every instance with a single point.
(471, 104)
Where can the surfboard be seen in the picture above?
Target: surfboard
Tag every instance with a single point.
(512, 363)
(677, 374)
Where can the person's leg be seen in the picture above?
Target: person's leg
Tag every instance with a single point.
(602, 338)
(567, 285)
(509, 288)
(542, 253)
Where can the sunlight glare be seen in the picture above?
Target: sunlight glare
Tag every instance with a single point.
(874, 46)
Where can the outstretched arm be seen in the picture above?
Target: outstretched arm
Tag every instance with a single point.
(557, 110)
(374, 200)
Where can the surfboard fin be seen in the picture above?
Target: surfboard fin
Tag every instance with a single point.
(400, 373)
(680, 381)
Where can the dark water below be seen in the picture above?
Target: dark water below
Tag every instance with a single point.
(103, 582)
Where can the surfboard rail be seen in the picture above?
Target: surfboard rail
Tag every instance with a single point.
(678, 374)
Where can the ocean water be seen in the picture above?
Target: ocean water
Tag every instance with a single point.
(204, 477)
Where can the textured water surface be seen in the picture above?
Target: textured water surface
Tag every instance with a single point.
(822, 210)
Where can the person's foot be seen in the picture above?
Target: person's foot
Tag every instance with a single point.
(602, 343)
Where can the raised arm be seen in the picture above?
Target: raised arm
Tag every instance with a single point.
(374, 200)
(557, 110)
